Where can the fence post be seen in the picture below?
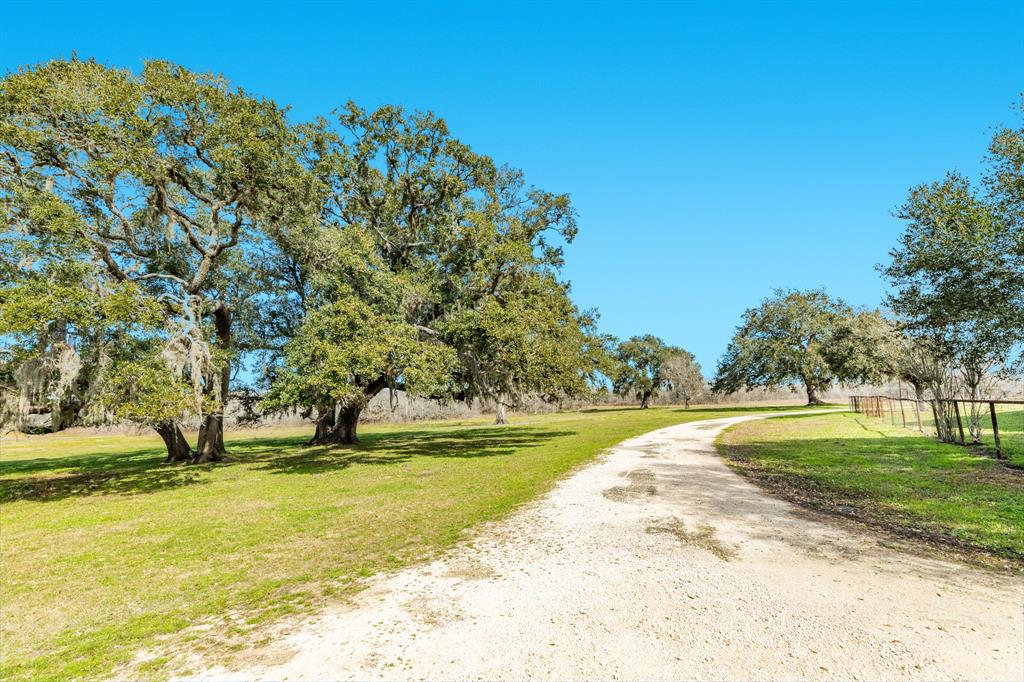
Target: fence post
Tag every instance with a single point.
(959, 423)
(995, 430)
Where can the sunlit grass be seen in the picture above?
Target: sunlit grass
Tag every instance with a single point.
(889, 476)
(103, 548)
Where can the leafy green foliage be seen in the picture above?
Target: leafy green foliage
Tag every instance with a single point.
(646, 365)
(344, 344)
(423, 236)
(955, 275)
(787, 339)
(531, 341)
(147, 391)
(156, 178)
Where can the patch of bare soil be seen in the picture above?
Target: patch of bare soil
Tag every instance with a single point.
(641, 484)
(704, 537)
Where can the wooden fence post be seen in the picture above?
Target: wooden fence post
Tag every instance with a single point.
(959, 423)
(995, 430)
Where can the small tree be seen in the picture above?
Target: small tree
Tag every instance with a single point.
(684, 376)
(956, 286)
(785, 340)
(645, 367)
(149, 391)
(529, 340)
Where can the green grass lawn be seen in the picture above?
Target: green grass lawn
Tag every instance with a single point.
(104, 550)
(1010, 419)
(862, 467)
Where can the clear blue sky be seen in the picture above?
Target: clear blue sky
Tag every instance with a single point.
(713, 151)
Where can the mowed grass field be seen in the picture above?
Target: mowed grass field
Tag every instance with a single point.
(865, 468)
(1010, 419)
(105, 551)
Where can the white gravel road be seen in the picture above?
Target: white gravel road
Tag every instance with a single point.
(658, 562)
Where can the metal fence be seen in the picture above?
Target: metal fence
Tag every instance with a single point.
(993, 426)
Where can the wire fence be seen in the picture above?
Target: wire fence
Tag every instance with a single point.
(995, 427)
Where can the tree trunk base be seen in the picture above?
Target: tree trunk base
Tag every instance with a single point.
(324, 427)
(211, 441)
(178, 449)
(812, 396)
(342, 430)
(500, 414)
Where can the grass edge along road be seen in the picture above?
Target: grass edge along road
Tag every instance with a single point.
(105, 551)
(888, 477)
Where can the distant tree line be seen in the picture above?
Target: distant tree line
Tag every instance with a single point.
(163, 230)
(952, 323)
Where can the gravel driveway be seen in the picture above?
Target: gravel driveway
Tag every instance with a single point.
(658, 562)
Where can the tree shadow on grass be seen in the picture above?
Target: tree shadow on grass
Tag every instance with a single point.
(402, 446)
(142, 471)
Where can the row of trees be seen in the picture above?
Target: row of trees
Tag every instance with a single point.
(953, 322)
(164, 230)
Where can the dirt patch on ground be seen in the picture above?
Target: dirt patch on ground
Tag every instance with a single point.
(641, 485)
(470, 570)
(704, 537)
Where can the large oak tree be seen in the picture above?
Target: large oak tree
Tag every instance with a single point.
(160, 175)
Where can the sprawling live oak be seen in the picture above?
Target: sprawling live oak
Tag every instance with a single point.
(791, 337)
(159, 176)
(367, 252)
(441, 266)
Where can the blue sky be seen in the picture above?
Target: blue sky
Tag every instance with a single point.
(713, 151)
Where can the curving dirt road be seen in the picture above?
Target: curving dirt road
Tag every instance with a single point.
(658, 562)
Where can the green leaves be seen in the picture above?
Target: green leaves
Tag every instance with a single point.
(344, 345)
(147, 391)
(646, 365)
(786, 339)
(153, 179)
(957, 276)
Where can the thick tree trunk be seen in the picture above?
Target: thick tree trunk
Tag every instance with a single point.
(324, 425)
(500, 415)
(812, 395)
(178, 449)
(346, 427)
(645, 400)
(211, 433)
(211, 440)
